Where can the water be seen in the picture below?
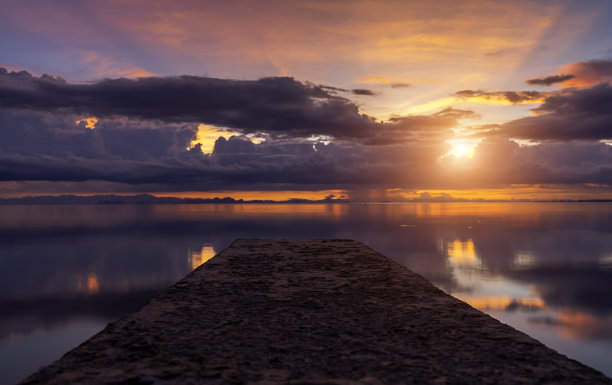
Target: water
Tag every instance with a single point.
(66, 271)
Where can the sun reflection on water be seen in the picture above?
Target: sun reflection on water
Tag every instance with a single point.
(88, 284)
(506, 303)
(198, 257)
(462, 253)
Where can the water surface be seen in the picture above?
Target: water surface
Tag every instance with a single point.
(66, 271)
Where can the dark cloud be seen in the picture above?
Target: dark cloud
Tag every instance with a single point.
(578, 115)
(146, 128)
(549, 80)
(31, 133)
(363, 91)
(418, 128)
(237, 164)
(502, 161)
(514, 97)
(279, 106)
(103, 154)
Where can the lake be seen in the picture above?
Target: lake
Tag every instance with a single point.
(66, 271)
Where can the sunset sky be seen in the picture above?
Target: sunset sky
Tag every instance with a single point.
(278, 99)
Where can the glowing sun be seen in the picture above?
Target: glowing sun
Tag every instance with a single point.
(462, 150)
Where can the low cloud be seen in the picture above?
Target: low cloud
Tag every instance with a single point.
(503, 161)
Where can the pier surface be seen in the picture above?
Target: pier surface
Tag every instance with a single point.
(310, 313)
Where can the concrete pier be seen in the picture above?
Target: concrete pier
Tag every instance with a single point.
(310, 312)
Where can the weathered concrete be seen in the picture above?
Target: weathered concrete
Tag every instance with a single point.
(310, 312)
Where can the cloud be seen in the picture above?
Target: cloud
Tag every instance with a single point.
(235, 164)
(279, 106)
(52, 147)
(400, 85)
(502, 161)
(590, 72)
(501, 97)
(105, 66)
(283, 164)
(362, 91)
(549, 80)
(31, 133)
(146, 127)
(389, 81)
(578, 115)
(312, 40)
(579, 75)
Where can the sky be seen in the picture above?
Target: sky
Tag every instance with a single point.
(367, 100)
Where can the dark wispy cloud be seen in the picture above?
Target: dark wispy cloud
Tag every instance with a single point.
(363, 91)
(550, 80)
(400, 85)
(514, 97)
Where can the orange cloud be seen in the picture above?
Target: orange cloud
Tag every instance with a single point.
(578, 75)
(589, 73)
(502, 97)
(106, 66)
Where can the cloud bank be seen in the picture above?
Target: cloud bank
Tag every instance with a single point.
(314, 138)
(279, 106)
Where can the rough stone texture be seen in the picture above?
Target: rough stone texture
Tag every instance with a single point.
(310, 312)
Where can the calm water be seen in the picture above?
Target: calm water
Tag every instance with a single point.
(66, 271)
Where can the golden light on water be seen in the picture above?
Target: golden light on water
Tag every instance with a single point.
(504, 303)
(462, 253)
(93, 286)
(89, 284)
(198, 257)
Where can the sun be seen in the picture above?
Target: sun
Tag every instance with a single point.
(461, 149)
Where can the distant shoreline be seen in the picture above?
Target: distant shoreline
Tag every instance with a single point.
(147, 199)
